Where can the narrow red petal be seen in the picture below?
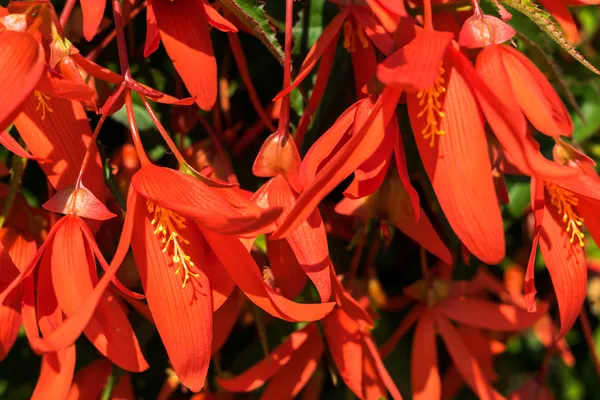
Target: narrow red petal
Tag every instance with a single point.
(384, 375)
(90, 380)
(93, 11)
(566, 264)
(80, 202)
(289, 277)
(183, 315)
(464, 361)
(152, 35)
(23, 64)
(424, 373)
(217, 20)
(258, 374)
(12, 145)
(184, 32)
(56, 375)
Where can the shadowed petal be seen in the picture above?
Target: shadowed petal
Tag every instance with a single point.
(424, 373)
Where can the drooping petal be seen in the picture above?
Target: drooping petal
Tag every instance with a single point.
(257, 375)
(152, 35)
(243, 270)
(382, 372)
(409, 319)
(400, 157)
(416, 66)
(488, 315)
(537, 98)
(308, 242)
(93, 10)
(565, 261)
(361, 145)
(505, 119)
(343, 339)
(483, 349)
(224, 320)
(459, 167)
(22, 63)
(16, 250)
(183, 315)
(61, 137)
(480, 31)
(184, 32)
(289, 277)
(424, 373)
(12, 145)
(538, 208)
(220, 209)
(374, 30)
(465, 362)
(56, 375)
(216, 19)
(293, 376)
(90, 380)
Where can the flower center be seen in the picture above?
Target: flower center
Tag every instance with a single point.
(42, 106)
(565, 202)
(431, 108)
(350, 35)
(167, 224)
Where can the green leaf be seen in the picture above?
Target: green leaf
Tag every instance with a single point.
(546, 23)
(591, 112)
(144, 122)
(253, 15)
(519, 196)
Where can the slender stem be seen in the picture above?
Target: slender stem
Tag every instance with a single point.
(135, 134)
(90, 150)
(231, 178)
(589, 338)
(66, 12)
(477, 9)
(423, 264)
(261, 330)
(427, 15)
(92, 55)
(357, 256)
(163, 132)
(284, 116)
(16, 174)
(120, 30)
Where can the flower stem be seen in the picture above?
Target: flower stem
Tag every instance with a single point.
(589, 338)
(16, 174)
(284, 116)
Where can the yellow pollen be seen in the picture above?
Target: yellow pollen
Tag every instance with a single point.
(350, 35)
(431, 108)
(167, 224)
(565, 202)
(42, 103)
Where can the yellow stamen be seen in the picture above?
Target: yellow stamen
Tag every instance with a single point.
(167, 224)
(350, 35)
(432, 108)
(565, 202)
(42, 103)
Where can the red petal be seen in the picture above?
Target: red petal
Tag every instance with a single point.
(374, 30)
(290, 279)
(416, 66)
(217, 20)
(327, 38)
(224, 320)
(425, 376)
(184, 32)
(152, 35)
(308, 242)
(459, 168)
(349, 304)
(408, 320)
(243, 270)
(56, 375)
(80, 202)
(566, 264)
(400, 156)
(362, 144)
(537, 98)
(483, 349)
(382, 372)
(560, 12)
(65, 89)
(10, 308)
(487, 315)
(537, 205)
(504, 117)
(258, 374)
(480, 31)
(61, 138)
(90, 380)
(464, 361)
(22, 63)
(221, 283)
(293, 376)
(183, 315)
(220, 209)
(388, 20)
(93, 11)
(343, 339)
(12, 145)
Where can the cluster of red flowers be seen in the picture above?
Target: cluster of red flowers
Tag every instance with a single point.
(475, 104)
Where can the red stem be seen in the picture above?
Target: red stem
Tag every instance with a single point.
(589, 338)
(66, 12)
(428, 19)
(135, 134)
(121, 44)
(284, 117)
